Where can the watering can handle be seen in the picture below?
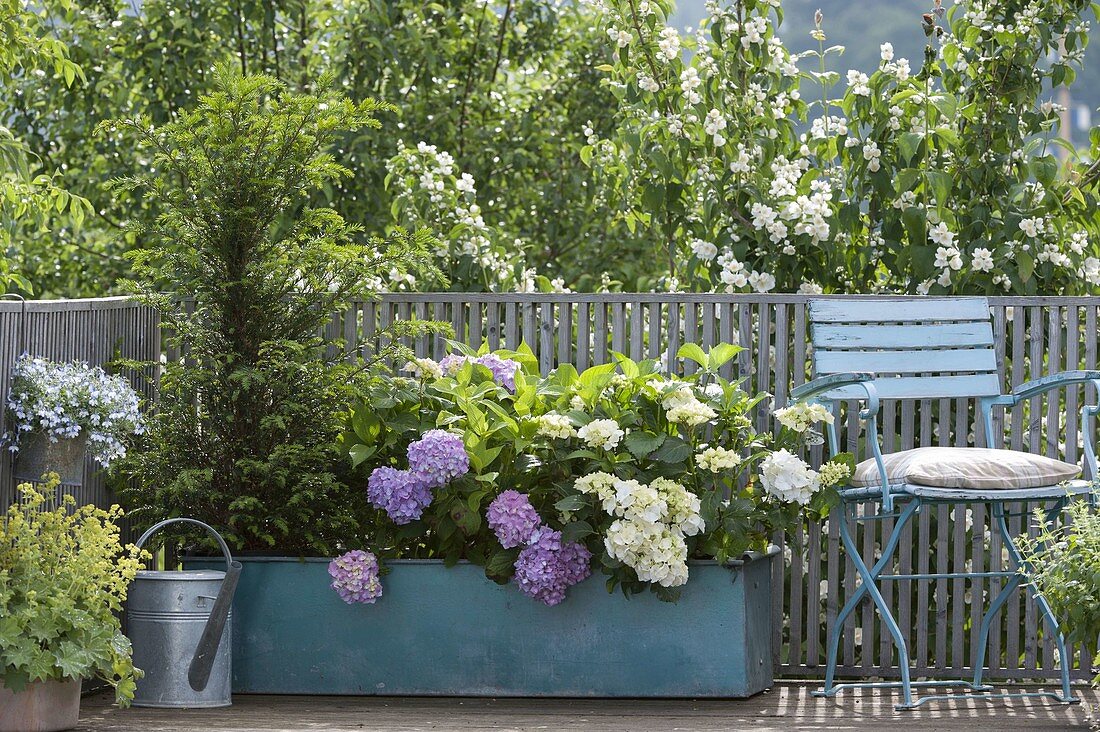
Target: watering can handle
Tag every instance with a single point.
(198, 674)
(209, 529)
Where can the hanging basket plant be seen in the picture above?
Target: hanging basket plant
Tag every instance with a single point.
(59, 412)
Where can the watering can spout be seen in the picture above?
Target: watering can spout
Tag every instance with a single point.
(198, 674)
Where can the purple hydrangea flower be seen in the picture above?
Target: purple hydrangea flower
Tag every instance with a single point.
(452, 362)
(574, 558)
(546, 568)
(504, 370)
(512, 518)
(400, 493)
(437, 458)
(355, 577)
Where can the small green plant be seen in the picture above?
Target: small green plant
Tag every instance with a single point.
(1063, 563)
(63, 579)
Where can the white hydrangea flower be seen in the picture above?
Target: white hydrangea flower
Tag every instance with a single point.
(603, 433)
(424, 368)
(802, 415)
(599, 484)
(787, 477)
(833, 473)
(682, 507)
(555, 426)
(656, 552)
(636, 501)
(717, 459)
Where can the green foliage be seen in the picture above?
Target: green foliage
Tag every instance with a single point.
(527, 440)
(506, 88)
(1063, 563)
(567, 160)
(31, 199)
(246, 272)
(63, 579)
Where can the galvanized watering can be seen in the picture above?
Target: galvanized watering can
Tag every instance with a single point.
(178, 622)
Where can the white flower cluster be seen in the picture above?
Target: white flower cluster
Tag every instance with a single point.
(601, 433)
(789, 478)
(424, 368)
(431, 192)
(555, 426)
(802, 415)
(66, 400)
(832, 473)
(683, 407)
(859, 83)
(651, 523)
(704, 250)
(669, 43)
(717, 459)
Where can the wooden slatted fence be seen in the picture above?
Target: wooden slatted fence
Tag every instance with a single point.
(1034, 336)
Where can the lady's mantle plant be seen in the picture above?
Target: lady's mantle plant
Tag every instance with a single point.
(621, 469)
(71, 400)
(63, 579)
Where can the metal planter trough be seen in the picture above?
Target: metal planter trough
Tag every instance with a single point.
(452, 632)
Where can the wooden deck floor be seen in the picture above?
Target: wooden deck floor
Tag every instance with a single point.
(786, 707)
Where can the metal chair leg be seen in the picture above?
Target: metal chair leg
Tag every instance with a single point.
(869, 586)
(1045, 610)
(994, 607)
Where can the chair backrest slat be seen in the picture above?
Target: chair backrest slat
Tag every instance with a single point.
(896, 336)
(908, 361)
(917, 310)
(926, 348)
(925, 387)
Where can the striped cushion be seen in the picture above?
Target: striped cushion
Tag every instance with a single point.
(966, 467)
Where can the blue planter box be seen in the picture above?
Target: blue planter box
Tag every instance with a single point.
(440, 631)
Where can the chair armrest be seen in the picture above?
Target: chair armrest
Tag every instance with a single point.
(828, 383)
(1039, 386)
(868, 414)
(1035, 387)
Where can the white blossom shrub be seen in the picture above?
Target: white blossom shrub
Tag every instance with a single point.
(933, 175)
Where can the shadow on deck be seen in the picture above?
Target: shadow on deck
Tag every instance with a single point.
(786, 707)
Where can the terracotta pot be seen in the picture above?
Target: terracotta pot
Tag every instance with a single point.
(38, 456)
(44, 706)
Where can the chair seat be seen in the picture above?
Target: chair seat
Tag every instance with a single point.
(970, 495)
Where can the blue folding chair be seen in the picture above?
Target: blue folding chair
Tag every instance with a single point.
(929, 348)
